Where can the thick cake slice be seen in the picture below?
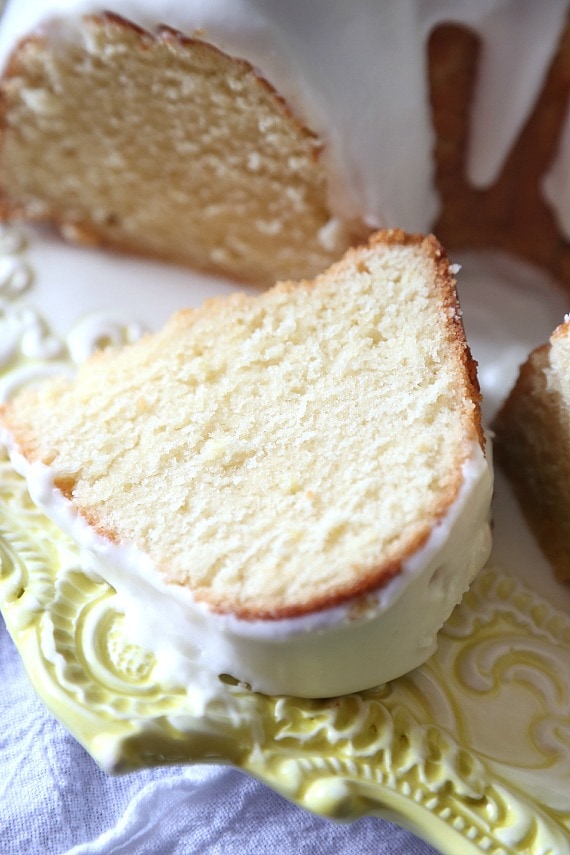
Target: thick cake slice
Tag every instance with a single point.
(293, 484)
(533, 440)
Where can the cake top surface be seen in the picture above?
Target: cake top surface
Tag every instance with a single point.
(320, 428)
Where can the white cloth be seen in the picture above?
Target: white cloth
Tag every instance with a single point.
(54, 800)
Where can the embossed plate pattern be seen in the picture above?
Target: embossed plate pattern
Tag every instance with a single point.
(471, 751)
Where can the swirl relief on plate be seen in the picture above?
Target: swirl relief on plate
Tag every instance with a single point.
(471, 751)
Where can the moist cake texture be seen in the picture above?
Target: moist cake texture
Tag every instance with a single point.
(303, 457)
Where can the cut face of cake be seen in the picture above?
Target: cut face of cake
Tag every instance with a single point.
(165, 145)
(294, 484)
(224, 178)
(260, 140)
(533, 441)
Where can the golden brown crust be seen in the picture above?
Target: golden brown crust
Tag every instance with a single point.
(445, 282)
(366, 580)
(372, 580)
(532, 438)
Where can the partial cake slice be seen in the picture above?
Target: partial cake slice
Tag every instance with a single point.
(299, 476)
(533, 445)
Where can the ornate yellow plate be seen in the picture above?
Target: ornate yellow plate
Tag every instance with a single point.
(471, 751)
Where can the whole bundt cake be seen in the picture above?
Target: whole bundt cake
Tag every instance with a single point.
(260, 139)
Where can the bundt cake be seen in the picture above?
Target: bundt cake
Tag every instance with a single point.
(533, 440)
(261, 139)
(296, 482)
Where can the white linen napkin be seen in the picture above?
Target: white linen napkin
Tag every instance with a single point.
(54, 800)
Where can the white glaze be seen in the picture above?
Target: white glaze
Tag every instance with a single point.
(379, 154)
(327, 653)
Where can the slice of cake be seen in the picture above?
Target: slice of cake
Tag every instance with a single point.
(533, 441)
(291, 488)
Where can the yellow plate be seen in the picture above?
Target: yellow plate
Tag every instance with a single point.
(471, 751)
